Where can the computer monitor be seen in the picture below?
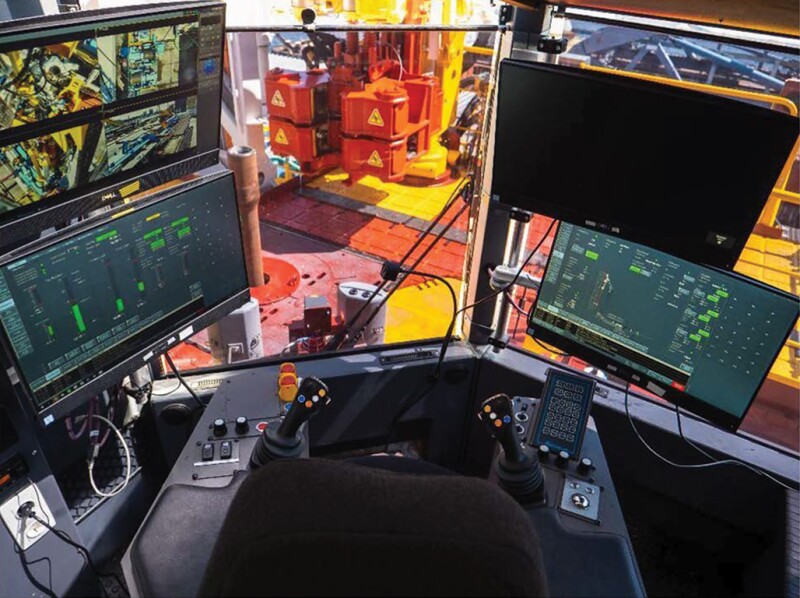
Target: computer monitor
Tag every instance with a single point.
(699, 337)
(683, 171)
(98, 105)
(82, 308)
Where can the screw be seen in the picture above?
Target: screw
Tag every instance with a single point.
(199, 443)
(194, 476)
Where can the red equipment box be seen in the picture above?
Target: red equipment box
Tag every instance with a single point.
(301, 98)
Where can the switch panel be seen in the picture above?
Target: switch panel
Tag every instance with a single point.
(26, 531)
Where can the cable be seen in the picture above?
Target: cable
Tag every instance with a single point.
(339, 338)
(714, 462)
(95, 451)
(452, 325)
(723, 461)
(514, 280)
(164, 394)
(550, 349)
(64, 537)
(175, 371)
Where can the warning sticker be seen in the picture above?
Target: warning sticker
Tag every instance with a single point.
(375, 118)
(277, 99)
(281, 138)
(375, 160)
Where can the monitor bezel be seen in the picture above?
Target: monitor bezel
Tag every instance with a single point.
(682, 399)
(140, 358)
(701, 253)
(26, 222)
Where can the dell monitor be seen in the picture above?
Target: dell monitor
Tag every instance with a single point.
(699, 337)
(682, 171)
(81, 309)
(96, 106)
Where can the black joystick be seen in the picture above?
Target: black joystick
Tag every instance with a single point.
(518, 469)
(282, 440)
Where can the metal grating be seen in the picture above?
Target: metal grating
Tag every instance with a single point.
(109, 471)
(792, 544)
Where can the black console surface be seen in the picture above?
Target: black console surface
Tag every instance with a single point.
(586, 553)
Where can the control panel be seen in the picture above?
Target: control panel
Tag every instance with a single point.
(573, 481)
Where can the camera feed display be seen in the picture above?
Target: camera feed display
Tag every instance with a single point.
(149, 134)
(82, 104)
(48, 81)
(148, 60)
(43, 166)
(48, 164)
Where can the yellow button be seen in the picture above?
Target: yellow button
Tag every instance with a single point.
(487, 409)
(321, 392)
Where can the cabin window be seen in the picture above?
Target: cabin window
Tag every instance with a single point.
(768, 77)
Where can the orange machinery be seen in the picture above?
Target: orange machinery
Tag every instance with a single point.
(368, 113)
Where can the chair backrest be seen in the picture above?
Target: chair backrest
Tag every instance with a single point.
(322, 527)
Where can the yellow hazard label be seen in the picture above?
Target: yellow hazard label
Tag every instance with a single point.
(281, 138)
(375, 118)
(375, 160)
(277, 99)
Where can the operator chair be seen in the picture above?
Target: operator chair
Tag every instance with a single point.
(372, 526)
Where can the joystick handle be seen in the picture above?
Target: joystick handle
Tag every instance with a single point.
(497, 413)
(311, 396)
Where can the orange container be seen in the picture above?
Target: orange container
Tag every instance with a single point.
(383, 159)
(310, 146)
(380, 111)
(301, 98)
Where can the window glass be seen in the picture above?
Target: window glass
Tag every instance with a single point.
(370, 137)
(769, 78)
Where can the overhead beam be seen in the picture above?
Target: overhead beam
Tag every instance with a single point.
(779, 17)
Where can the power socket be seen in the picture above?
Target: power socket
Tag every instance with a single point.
(25, 530)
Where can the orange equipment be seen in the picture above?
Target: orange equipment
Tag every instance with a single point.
(367, 113)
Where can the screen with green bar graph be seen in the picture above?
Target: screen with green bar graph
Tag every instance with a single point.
(77, 306)
(701, 337)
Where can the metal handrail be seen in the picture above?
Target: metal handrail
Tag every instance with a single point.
(713, 89)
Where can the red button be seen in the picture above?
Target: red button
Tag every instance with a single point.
(261, 426)
(678, 386)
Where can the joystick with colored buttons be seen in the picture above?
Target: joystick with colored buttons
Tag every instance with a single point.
(518, 469)
(284, 440)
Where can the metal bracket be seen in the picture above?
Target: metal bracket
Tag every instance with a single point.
(503, 275)
(552, 45)
(519, 215)
(506, 14)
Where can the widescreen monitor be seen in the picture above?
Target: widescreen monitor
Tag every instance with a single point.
(700, 337)
(683, 171)
(96, 106)
(81, 309)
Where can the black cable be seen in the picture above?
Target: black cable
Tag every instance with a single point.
(416, 263)
(435, 376)
(713, 463)
(448, 337)
(452, 325)
(339, 338)
(549, 349)
(182, 381)
(514, 280)
(64, 537)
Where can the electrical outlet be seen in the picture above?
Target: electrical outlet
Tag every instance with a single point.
(26, 531)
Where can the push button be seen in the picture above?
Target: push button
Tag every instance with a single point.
(226, 449)
(207, 452)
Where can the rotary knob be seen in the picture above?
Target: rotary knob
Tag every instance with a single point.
(562, 459)
(544, 452)
(219, 427)
(585, 466)
(241, 424)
